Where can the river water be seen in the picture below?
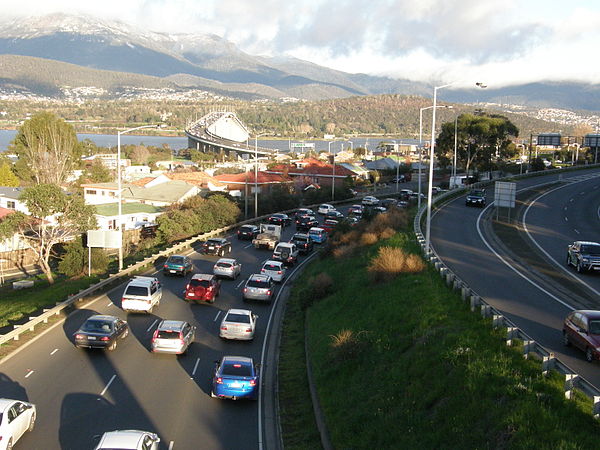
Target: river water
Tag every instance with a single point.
(178, 143)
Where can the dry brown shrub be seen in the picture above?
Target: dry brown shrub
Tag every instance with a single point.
(397, 218)
(343, 251)
(351, 236)
(387, 233)
(379, 223)
(346, 344)
(392, 261)
(321, 285)
(368, 239)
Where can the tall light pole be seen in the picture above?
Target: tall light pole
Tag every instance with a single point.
(421, 145)
(455, 146)
(256, 172)
(119, 188)
(431, 156)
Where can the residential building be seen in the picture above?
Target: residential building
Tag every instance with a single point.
(133, 215)
(10, 199)
(313, 171)
(153, 193)
(238, 183)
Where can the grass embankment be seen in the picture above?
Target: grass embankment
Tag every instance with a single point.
(18, 304)
(404, 363)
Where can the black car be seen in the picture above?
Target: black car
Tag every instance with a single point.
(387, 202)
(304, 212)
(279, 219)
(303, 242)
(247, 232)
(476, 198)
(584, 256)
(101, 331)
(216, 246)
(334, 215)
(306, 223)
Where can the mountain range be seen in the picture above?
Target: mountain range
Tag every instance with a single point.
(43, 55)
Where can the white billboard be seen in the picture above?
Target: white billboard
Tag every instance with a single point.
(104, 238)
(505, 194)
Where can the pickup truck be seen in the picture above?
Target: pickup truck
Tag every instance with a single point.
(268, 237)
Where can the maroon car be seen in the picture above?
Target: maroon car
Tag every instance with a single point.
(582, 330)
(202, 287)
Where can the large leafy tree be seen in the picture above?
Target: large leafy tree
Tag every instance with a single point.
(55, 217)
(47, 148)
(7, 176)
(482, 138)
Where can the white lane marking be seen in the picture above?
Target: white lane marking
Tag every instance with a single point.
(264, 346)
(576, 231)
(53, 351)
(565, 208)
(29, 373)
(571, 201)
(195, 367)
(241, 282)
(152, 326)
(566, 219)
(171, 444)
(108, 385)
(110, 304)
(248, 246)
(217, 316)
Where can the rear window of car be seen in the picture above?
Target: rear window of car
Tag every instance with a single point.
(237, 370)
(247, 229)
(224, 264)
(167, 334)
(199, 283)
(176, 259)
(97, 325)
(270, 267)
(213, 242)
(258, 283)
(239, 318)
(137, 290)
(300, 239)
(591, 249)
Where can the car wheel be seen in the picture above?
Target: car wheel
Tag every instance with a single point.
(125, 334)
(589, 356)
(9, 445)
(566, 339)
(112, 346)
(579, 267)
(568, 260)
(31, 423)
(212, 394)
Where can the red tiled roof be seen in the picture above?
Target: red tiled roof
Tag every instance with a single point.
(248, 177)
(142, 181)
(200, 179)
(5, 212)
(312, 167)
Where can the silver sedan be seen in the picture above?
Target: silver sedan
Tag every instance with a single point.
(238, 324)
(228, 268)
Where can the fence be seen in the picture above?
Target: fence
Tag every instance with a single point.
(530, 347)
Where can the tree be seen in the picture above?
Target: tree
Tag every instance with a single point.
(360, 152)
(7, 176)
(47, 148)
(139, 155)
(99, 173)
(55, 217)
(481, 139)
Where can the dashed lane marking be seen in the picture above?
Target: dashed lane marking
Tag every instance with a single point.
(195, 367)
(152, 326)
(53, 351)
(107, 385)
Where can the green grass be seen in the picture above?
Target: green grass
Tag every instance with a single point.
(424, 372)
(15, 305)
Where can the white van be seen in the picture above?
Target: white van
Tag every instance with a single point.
(142, 294)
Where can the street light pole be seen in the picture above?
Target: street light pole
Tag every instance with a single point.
(256, 173)
(119, 188)
(455, 145)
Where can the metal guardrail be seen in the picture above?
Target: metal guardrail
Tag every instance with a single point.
(530, 347)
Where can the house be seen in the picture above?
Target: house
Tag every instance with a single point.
(109, 160)
(359, 170)
(238, 183)
(173, 164)
(382, 164)
(313, 171)
(152, 193)
(10, 199)
(136, 172)
(133, 215)
(201, 179)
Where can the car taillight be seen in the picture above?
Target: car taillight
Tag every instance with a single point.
(219, 380)
(252, 383)
(269, 292)
(187, 287)
(165, 266)
(105, 338)
(224, 327)
(245, 289)
(248, 330)
(279, 272)
(262, 270)
(155, 335)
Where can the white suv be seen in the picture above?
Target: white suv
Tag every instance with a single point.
(369, 200)
(142, 294)
(129, 440)
(286, 252)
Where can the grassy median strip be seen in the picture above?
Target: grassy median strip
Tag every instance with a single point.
(405, 364)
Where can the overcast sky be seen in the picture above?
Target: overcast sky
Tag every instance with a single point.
(499, 42)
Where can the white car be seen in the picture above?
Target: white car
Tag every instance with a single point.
(227, 267)
(238, 324)
(128, 440)
(369, 200)
(17, 417)
(325, 208)
(275, 269)
(142, 294)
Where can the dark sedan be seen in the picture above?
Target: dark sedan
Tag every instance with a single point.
(216, 246)
(334, 215)
(247, 232)
(582, 330)
(306, 223)
(279, 219)
(303, 242)
(101, 331)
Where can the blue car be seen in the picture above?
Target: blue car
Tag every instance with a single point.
(236, 377)
(317, 235)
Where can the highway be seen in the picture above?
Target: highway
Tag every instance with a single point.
(80, 393)
(535, 303)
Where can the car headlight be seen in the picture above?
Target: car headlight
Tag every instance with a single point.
(585, 260)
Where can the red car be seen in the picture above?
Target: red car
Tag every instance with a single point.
(329, 225)
(202, 287)
(582, 330)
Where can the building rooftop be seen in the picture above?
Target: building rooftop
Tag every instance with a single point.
(112, 209)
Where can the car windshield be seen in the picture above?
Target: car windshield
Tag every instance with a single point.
(167, 334)
(591, 249)
(258, 283)
(137, 290)
(194, 282)
(594, 327)
(224, 264)
(97, 325)
(239, 318)
(175, 259)
(236, 370)
(476, 193)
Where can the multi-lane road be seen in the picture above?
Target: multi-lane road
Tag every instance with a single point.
(537, 304)
(80, 393)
